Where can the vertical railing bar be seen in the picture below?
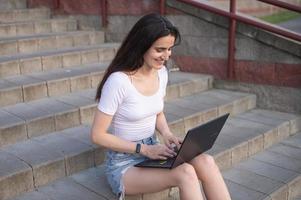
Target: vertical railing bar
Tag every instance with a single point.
(104, 13)
(231, 41)
(56, 4)
(162, 7)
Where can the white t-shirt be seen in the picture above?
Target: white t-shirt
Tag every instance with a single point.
(134, 114)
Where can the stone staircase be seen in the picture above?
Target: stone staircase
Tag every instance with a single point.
(49, 72)
(12, 4)
(298, 198)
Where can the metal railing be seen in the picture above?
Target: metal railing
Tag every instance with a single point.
(233, 17)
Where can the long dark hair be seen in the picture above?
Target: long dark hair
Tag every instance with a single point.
(144, 33)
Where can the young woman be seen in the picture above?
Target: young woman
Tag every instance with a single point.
(131, 108)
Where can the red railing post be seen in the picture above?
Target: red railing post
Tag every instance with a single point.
(56, 4)
(104, 13)
(231, 41)
(162, 7)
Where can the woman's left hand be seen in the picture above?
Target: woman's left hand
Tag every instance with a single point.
(170, 140)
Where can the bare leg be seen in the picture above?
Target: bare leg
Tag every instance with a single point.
(147, 180)
(210, 175)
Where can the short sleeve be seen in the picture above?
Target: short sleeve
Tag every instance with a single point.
(112, 94)
(164, 79)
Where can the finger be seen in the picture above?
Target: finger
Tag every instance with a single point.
(171, 152)
(168, 144)
(164, 152)
(168, 155)
(161, 158)
(177, 142)
(171, 147)
(180, 141)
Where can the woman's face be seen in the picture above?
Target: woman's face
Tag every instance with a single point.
(159, 52)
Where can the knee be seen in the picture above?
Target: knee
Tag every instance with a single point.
(205, 161)
(186, 172)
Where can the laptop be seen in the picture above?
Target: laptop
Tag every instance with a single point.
(196, 141)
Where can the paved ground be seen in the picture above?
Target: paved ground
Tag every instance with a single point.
(294, 25)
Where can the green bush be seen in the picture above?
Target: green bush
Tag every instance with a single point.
(281, 17)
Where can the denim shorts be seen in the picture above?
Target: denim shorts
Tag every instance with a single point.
(117, 163)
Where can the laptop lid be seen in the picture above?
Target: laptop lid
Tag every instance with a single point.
(199, 140)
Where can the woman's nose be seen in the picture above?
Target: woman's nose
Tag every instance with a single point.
(167, 55)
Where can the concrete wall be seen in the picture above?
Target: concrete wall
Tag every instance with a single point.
(285, 99)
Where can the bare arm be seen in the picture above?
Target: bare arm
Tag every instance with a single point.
(162, 125)
(100, 136)
(167, 135)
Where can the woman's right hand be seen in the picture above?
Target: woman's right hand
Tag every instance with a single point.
(157, 152)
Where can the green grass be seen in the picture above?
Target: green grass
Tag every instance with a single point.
(281, 17)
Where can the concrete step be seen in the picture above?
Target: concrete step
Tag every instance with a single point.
(271, 127)
(54, 155)
(37, 26)
(69, 189)
(25, 88)
(272, 174)
(42, 42)
(61, 81)
(25, 120)
(93, 179)
(54, 59)
(24, 15)
(12, 4)
(297, 198)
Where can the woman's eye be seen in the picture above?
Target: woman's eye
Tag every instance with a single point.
(162, 50)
